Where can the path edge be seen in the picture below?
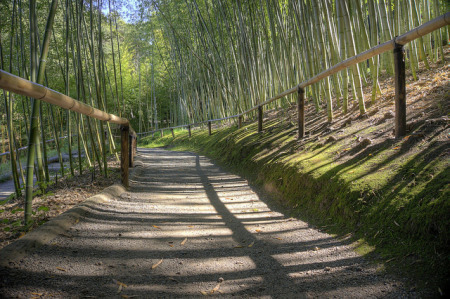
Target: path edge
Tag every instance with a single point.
(43, 234)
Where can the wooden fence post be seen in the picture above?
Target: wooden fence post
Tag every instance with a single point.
(189, 130)
(173, 134)
(162, 133)
(260, 118)
(240, 121)
(301, 112)
(131, 144)
(209, 128)
(124, 154)
(400, 91)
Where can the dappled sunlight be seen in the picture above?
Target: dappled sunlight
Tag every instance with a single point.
(175, 235)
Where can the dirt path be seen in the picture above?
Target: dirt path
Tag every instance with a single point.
(186, 228)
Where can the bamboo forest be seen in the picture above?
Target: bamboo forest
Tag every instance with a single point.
(259, 148)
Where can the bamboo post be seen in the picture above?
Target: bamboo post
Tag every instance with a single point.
(260, 118)
(400, 91)
(240, 121)
(173, 134)
(301, 112)
(189, 130)
(209, 128)
(162, 133)
(124, 154)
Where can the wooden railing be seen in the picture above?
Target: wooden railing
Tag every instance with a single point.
(395, 44)
(30, 89)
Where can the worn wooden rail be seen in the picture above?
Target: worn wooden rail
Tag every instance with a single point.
(395, 44)
(30, 89)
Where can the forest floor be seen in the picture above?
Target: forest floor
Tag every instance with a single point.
(56, 199)
(187, 228)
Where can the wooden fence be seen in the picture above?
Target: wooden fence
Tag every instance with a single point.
(30, 89)
(395, 44)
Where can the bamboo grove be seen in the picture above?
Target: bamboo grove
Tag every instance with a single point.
(228, 56)
(171, 62)
(72, 47)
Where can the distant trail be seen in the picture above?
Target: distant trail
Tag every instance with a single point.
(188, 228)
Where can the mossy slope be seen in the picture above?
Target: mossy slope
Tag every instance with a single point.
(392, 193)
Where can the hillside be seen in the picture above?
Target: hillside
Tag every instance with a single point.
(351, 177)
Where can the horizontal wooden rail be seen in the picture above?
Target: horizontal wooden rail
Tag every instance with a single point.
(30, 89)
(401, 40)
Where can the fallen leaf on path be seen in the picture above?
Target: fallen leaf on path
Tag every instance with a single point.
(216, 288)
(251, 244)
(120, 283)
(155, 226)
(157, 264)
(204, 293)
(278, 238)
(184, 241)
(257, 230)
(37, 294)
(61, 269)
(190, 226)
(170, 245)
(396, 148)
(120, 289)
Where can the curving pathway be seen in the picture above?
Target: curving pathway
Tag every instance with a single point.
(186, 228)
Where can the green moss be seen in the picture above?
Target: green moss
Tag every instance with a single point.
(391, 196)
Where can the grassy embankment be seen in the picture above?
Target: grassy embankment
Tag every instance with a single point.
(352, 177)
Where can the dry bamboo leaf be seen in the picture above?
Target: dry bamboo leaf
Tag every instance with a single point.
(120, 289)
(257, 230)
(120, 283)
(170, 245)
(78, 220)
(396, 223)
(157, 264)
(190, 226)
(278, 238)
(61, 269)
(204, 293)
(251, 244)
(36, 294)
(216, 288)
(155, 226)
(184, 241)
(396, 148)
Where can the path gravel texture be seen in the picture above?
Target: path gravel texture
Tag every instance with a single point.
(186, 228)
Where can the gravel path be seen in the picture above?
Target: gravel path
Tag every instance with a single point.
(186, 228)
